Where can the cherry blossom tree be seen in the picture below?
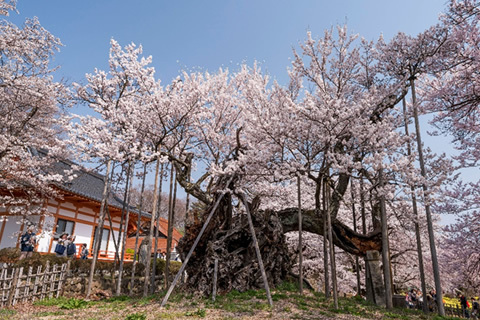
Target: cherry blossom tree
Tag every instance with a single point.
(32, 118)
(121, 99)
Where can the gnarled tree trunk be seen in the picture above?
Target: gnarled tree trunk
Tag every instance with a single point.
(231, 243)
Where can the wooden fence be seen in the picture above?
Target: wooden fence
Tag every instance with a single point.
(16, 285)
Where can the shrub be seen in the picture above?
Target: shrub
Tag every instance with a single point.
(201, 313)
(73, 304)
(38, 259)
(9, 255)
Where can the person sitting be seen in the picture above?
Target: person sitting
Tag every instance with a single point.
(411, 299)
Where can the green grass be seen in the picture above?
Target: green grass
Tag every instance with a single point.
(6, 314)
(136, 316)
(51, 302)
(49, 313)
(73, 303)
(199, 313)
(288, 302)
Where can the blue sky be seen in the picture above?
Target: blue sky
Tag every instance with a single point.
(210, 34)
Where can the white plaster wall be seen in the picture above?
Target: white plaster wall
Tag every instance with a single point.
(67, 213)
(86, 210)
(83, 233)
(111, 245)
(11, 232)
(46, 235)
(84, 217)
(52, 209)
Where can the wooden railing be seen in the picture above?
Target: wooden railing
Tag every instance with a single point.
(103, 254)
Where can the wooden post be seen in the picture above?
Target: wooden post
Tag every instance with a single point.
(116, 244)
(150, 233)
(124, 213)
(197, 240)
(257, 250)
(215, 272)
(28, 282)
(99, 230)
(325, 258)
(428, 214)
(53, 279)
(63, 279)
(333, 266)
(354, 213)
(157, 225)
(171, 216)
(45, 279)
(416, 217)
(135, 250)
(13, 287)
(123, 240)
(300, 244)
(36, 283)
(387, 277)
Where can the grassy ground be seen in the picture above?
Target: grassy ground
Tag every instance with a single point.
(288, 304)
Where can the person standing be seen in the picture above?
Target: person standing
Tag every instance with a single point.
(27, 243)
(465, 306)
(60, 248)
(71, 247)
(475, 308)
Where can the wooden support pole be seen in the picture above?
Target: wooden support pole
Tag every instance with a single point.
(300, 244)
(98, 232)
(155, 236)
(357, 265)
(124, 207)
(123, 240)
(171, 217)
(416, 217)
(333, 266)
(197, 240)
(150, 233)
(13, 286)
(215, 274)
(257, 250)
(428, 214)
(139, 220)
(387, 277)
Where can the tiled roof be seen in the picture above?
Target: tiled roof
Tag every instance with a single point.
(88, 184)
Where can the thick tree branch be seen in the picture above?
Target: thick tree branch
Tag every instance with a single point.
(343, 237)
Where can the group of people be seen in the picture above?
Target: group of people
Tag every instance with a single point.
(65, 246)
(414, 299)
(475, 313)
